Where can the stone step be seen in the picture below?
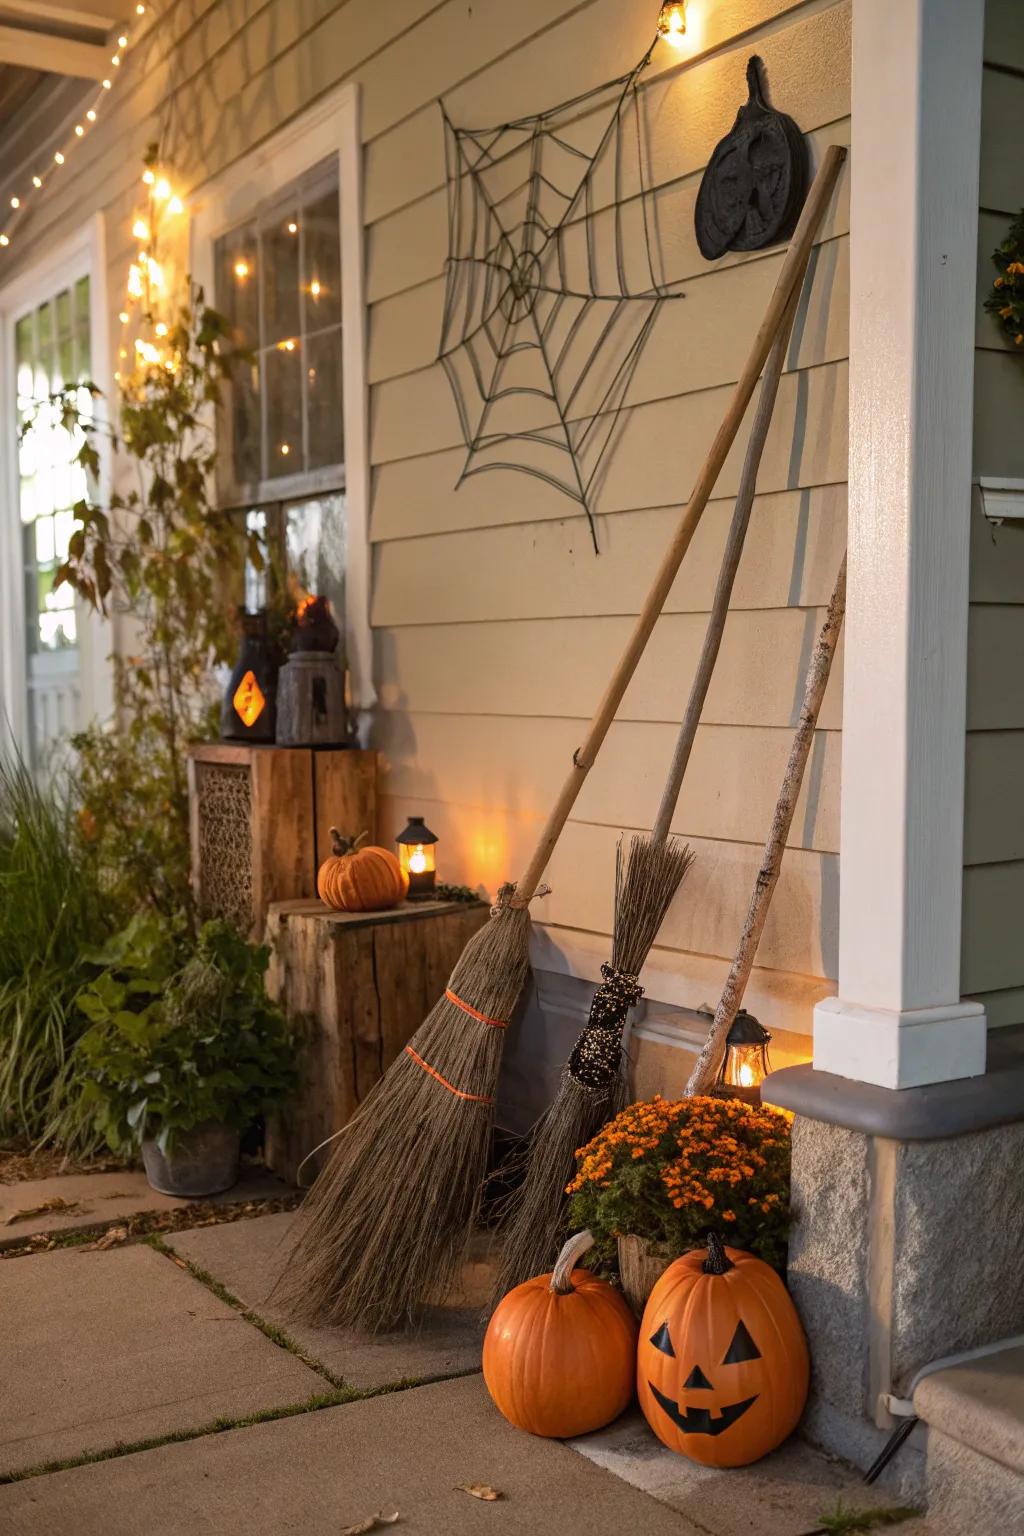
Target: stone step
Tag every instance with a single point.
(980, 1403)
(975, 1446)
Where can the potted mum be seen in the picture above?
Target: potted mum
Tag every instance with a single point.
(184, 1050)
(659, 1176)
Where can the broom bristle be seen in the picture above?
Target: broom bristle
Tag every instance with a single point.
(534, 1217)
(392, 1212)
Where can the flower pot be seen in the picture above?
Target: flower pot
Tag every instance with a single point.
(203, 1161)
(641, 1266)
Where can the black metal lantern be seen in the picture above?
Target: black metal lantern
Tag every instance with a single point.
(311, 710)
(416, 856)
(249, 710)
(745, 1064)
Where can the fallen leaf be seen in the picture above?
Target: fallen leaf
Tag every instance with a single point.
(480, 1491)
(110, 1238)
(371, 1523)
(54, 1206)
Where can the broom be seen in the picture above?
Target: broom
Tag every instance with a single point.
(593, 1085)
(390, 1215)
(705, 1073)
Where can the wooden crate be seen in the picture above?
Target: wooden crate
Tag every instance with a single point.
(357, 986)
(259, 820)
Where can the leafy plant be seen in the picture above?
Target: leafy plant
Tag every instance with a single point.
(162, 557)
(181, 1032)
(52, 906)
(1005, 303)
(669, 1172)
(844, 1521)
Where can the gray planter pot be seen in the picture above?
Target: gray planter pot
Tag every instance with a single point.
(201, 1162)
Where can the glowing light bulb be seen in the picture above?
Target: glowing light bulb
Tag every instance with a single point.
(59, 158)
(746, 1075)
(36, 181)
(285, 449)
(79, 130)
(241, 270)
(175, 205)
(91, 115)
(672, 23)
(140, 10)
(292, 227)
(417, 861)
(162, 190)
(314, 288)
(148, 177)
(161, 328)
(135, 281)
(140, 229)
(15, 202)
(122, 41)
(286, 346)
(106, 84)
(115, 59)
(154, 272)
(123, 317)
(5, 239)
(117, 375)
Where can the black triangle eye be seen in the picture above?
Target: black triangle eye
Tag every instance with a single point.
(742, 1347)
(696, 1378)
(662, 1341)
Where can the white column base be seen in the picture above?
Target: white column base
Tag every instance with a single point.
(899, 1050)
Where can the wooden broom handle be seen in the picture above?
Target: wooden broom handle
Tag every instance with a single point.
(583, 758)
(727, 575)
(706, 1070)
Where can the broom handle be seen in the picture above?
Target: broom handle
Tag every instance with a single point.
(706, 1069)
(583, 758)
(727, 575)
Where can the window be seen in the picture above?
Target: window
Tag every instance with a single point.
(51, 344)
(278, 281)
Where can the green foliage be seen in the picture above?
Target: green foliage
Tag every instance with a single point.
(181, 1032)
(848, 1522)
(1006, 301)
(51, 905)
(672, 1171)
(161, 557)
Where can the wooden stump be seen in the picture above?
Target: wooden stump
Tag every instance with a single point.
(357, 986)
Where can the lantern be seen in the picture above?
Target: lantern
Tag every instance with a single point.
(416, 856)
(746, 1063)
(249, 711)
(311, 710)
(672, 23)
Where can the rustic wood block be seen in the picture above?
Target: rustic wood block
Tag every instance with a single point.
(357, 986)
(259, 817)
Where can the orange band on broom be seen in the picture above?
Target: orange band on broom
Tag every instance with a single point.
(476, 1098)
(497, 1023)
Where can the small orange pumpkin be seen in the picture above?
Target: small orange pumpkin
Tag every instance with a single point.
(360, 879)
(560, 1350)
(722, 1364)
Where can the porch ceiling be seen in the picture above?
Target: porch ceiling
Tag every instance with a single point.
(55, 37)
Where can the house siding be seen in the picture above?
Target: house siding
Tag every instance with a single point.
(992, 962)
(495, 624)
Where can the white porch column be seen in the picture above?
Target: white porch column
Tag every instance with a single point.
(899, 1021)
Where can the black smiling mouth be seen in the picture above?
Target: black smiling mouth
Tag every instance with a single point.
(698, 1421)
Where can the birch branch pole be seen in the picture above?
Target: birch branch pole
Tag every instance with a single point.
(708, 1062)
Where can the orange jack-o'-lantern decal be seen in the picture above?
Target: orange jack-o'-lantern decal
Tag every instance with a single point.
(722, 1363)
(248, 699)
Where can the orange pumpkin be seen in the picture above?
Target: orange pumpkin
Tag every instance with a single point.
(360, 879)
(722, 1364)
(560, 1350)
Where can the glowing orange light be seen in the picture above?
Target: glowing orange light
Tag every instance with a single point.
(672, 23)
(248, 700)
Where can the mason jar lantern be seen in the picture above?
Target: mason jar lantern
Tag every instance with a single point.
(416, 856)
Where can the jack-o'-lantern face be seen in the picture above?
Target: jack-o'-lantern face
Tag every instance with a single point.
(722, 1364)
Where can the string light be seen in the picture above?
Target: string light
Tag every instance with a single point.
(77, 132)
(5, 239)
(241, 270)
(161, 328)
(162, 190)
(149, 177)
(140, 229)
(314, 288)
(175, 205)
(123, 317)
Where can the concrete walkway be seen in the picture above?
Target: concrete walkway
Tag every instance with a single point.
(103, 1351)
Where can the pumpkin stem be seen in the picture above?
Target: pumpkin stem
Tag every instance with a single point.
(575, 1248)
(717, 1261)
(340, 846)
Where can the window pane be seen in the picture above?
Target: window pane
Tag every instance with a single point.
(323, 399)
(283, 380)
(65, 373)
(315, 548)
(44, 352)
(322, 251)
(242, 400)
(281, 277)
(83, 339)
(238, 294)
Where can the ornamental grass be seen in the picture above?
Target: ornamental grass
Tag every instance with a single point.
(671, 1172)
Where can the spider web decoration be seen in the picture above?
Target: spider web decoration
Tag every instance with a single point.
(551, 293)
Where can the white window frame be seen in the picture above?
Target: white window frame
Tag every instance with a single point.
(82, 254)
(329, 128)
